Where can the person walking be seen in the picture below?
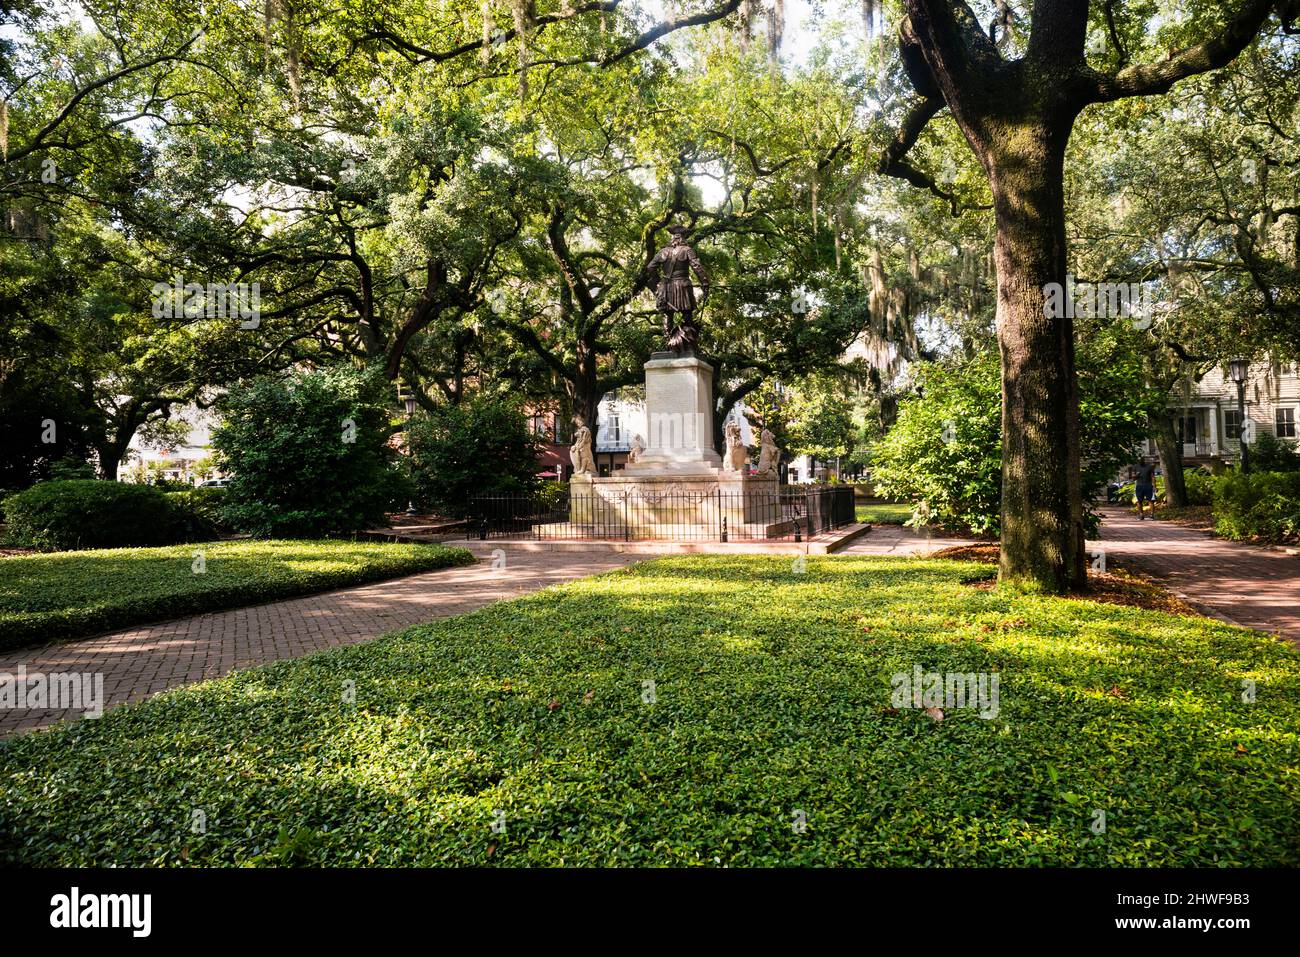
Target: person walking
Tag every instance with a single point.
(1145, 473)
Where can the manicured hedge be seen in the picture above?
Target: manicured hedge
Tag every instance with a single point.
(55, 597)
(1258, 506)
(91, 514)
(772, 694)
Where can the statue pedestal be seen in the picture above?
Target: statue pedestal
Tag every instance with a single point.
(678, 488)
(679, 413)
(674, 503)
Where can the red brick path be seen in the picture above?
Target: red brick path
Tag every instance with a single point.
(1243, 584)
(140, 662)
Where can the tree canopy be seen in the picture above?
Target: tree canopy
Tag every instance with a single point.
(465, 196)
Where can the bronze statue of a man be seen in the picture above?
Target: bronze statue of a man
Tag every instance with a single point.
(670, 279)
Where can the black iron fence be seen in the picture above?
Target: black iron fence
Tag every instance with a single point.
(787, 514)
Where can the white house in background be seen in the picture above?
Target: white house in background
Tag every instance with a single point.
(1209, 424)
(176, 463)
(619, 420)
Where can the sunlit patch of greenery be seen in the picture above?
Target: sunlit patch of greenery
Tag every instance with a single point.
(887, 513)
(62, 595)
(771, 695)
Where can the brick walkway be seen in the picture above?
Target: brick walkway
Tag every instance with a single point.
(1242, 584)
(140, 662)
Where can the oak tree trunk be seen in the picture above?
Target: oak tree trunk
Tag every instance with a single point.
(1042, 511)
(1171, 457)
(585, 399)
(110, 459)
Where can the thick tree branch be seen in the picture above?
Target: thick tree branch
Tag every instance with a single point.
(893, 161)
(1113, 29)
(108, 79)
(1153, 79)
(418, 54)
(1058, 32)
(950, 32)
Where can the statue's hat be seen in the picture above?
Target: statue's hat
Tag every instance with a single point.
(678, 230)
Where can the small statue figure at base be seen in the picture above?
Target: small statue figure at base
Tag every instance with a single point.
(580, 452)
(768, 454)
(736, 455)
(638, 449)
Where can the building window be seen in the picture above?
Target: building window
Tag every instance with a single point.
(1186, 429)
(1231, 424)
(615, 430)
(1284, 423)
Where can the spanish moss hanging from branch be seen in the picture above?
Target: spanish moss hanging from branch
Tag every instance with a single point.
(775, 31)
(745, 23)
(270, 12)
(293, 62)
(815, 186)
(273, 12)
(870, 15)
(485, 50)
(524, 16)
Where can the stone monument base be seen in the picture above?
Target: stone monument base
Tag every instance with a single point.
(673, 503)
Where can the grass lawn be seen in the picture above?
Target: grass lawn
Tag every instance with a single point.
(61, 595)
(771, 695)
(886, 514)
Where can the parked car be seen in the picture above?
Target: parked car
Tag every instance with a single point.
(214, 483)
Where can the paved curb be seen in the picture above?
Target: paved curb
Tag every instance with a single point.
(839, 539)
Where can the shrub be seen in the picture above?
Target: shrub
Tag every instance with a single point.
(85, 513)
(1262, 506)
(170, 485)
(1200, 487)
(1270, 454)
(550, 494)
(70, 467)
(945, 448)
(479, 447)
(309, 453)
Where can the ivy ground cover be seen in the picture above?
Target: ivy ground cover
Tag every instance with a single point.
(62, 595)
(702, 711)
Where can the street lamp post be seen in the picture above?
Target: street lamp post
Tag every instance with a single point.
(1238, 371)
(409, 402)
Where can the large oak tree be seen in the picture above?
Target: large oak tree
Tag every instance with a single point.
(1017, 113)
